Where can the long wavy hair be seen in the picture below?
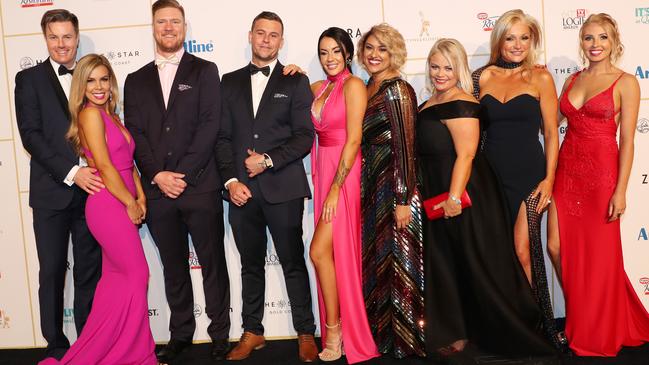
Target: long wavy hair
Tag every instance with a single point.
(78, 99)
(454, 52)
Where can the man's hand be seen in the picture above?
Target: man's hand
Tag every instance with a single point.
(255, 164)
(170, 183)
(86, 179)
(239, 193)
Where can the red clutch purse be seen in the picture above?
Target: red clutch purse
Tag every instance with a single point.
(439, 212)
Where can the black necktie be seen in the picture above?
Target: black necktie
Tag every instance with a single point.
(64, 70)
(254, 69)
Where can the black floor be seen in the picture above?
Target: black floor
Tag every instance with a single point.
(284, 352)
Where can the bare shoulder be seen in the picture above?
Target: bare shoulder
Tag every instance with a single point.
(627, 80)
(354, 83)
(316, 85)
(542, 74)
(89, 114)
(466, 97)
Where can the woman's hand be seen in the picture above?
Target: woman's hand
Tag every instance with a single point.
(292, 70)
(451, 208)
(543, 192)
(616, 206)
(141, 201)
(134, 212)
(330, 204)
(402, 216)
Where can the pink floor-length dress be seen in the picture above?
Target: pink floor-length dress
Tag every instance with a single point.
(332, 134)
(117, 331)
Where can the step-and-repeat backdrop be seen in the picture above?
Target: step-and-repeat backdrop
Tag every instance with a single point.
(217, 31)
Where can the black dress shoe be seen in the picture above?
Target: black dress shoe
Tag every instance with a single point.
(172, 350)
(220, 348)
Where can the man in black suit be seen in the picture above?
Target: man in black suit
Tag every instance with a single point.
(265, 133)
(58, 183)
(172, 107)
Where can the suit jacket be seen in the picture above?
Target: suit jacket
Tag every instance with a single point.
(180, 137)
(43, 120)
(282, 128)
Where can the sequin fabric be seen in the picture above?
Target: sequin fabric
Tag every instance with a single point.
(393, 280)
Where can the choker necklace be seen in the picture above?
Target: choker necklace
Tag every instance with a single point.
(507, 65)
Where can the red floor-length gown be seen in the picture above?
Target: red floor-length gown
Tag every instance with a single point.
(603, 312)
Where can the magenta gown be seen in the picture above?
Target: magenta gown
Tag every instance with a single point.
(117, 331)
(325, 156)
(603, 312)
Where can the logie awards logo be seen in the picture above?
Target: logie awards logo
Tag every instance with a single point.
(33, 3)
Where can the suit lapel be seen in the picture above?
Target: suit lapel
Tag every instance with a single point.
(270, 86)
(246, 83)
(184, 68)
(58, 89)
(154, 85)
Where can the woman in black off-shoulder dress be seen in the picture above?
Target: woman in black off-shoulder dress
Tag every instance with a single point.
(475, 288)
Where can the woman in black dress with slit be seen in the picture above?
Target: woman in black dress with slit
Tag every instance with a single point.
(475, 288)
(519, 100)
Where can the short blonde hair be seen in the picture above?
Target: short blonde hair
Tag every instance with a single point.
(390, 38)
(455, 53)
(610, 26)
(78, 99)
(504, 24)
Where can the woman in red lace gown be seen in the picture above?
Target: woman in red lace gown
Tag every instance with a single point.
(603, 313)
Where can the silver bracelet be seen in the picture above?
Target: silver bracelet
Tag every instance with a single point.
(455, 200)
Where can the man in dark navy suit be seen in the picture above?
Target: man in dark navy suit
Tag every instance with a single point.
(172, 107)
(59, 183)
(265, 133)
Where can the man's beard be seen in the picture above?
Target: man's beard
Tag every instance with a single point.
(175, 48)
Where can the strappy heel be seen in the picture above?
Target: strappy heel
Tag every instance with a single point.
(333, 349)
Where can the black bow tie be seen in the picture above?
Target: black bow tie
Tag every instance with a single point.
(64, 70)
(254, 69)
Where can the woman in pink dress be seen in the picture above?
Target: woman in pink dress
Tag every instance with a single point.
(603, 312)
(337, 114)
(117, 331)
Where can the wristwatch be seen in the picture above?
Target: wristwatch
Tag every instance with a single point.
(267, 163)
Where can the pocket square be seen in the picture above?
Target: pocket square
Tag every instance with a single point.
(279, 96)
(183, 87)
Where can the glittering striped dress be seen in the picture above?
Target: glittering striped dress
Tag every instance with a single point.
(393, 278)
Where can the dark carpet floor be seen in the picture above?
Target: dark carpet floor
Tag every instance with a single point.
(284, 352)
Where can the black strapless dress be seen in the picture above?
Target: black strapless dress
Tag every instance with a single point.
(475, 286)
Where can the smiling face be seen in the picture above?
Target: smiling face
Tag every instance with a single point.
(441, 73)
(265, 40)
(596, 43)
(376, 57)
(169, 30)
(62, 42)
(516, 44)
(98, 86)
(332, 56)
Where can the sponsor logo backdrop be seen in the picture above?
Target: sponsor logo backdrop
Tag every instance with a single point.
(120, 29)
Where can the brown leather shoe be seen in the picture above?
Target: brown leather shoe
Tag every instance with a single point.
(308, 349)
(248, 342)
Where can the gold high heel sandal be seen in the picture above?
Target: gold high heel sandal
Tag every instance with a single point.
(333, 349)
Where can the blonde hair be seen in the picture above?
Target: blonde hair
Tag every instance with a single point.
(390, 38)
(455, 53)
(504, 24)
(78, 99)
(610, 26)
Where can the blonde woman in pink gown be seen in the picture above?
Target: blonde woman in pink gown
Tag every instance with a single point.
(337, 114)
(117, 330)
